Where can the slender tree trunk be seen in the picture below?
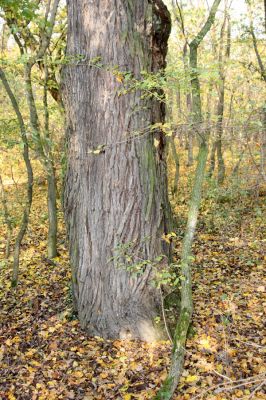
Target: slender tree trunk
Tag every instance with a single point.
(263, 76)
(217, 146)
(116, 183)
(263, 143)
(186, 307)
(7, 218)
(43, 147)
(171, 143)
(221, 165)
(190, 159)
(177, 164)
(52, 214)
(51, 177)
(230, 122)
(27, 208)
(220, 109)
(4, 37)
(209, 127)
(178, 101)
(237, 165)
(220, 113)
(34, 56)
(169, 109)
(212, 159)
(190, 156)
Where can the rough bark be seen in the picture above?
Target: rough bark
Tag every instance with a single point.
(120, 194)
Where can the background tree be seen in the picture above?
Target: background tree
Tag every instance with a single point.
(32, 27)
(262, 70)
(185, 56)
(223, 57)
(186, 303)
(26, 157)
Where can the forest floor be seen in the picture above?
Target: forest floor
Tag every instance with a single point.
(44, 354)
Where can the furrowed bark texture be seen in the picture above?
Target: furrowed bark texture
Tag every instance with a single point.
(119, 195)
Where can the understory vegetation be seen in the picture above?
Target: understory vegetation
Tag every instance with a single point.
(44, 353)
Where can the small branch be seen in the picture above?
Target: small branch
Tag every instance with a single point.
(164, 318)
(229, 388)
(206, 27)
(193, 63)
(46, 37)
(225, 385)
(180, 19)
(259, 59)
(257, 388)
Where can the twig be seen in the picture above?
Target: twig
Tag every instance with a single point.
(245, 381)
(221, 375)
(164, 318)
(250, 343)
(228, 388)
(257, 388)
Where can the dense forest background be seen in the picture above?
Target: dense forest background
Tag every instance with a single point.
(212, 92)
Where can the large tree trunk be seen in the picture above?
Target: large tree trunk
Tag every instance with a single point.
(118, 196)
